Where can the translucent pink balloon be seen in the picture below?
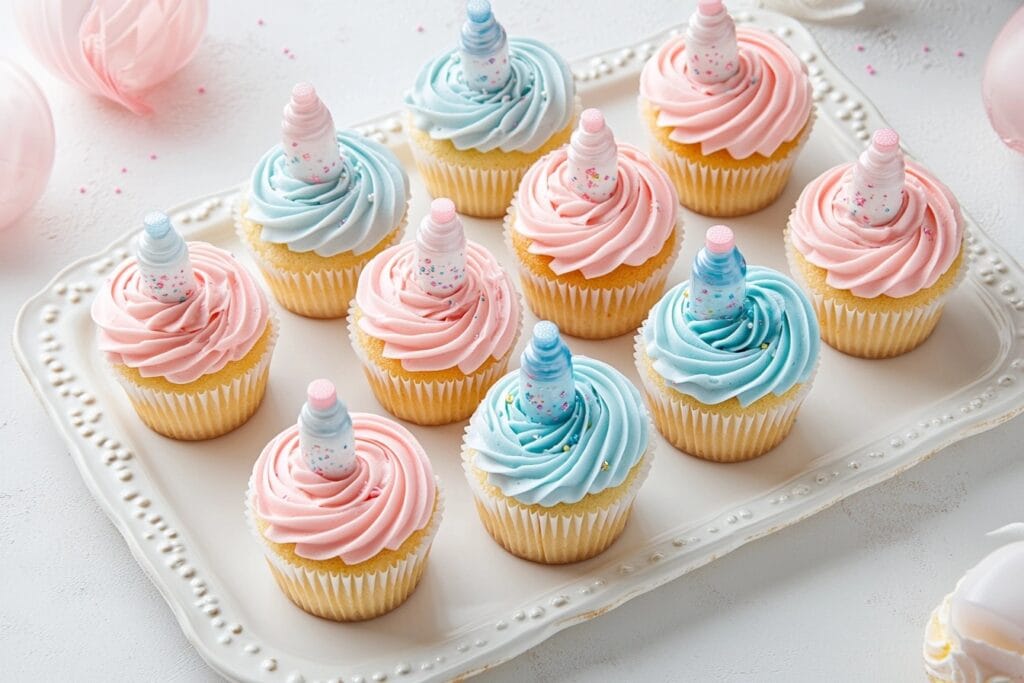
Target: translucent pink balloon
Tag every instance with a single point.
(114, 48)
(26, 155)
(1003, 86)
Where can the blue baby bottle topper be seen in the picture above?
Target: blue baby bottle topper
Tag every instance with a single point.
(718, 283)
(164, 261)
(547, 391)
(326, 437)
(483, 49)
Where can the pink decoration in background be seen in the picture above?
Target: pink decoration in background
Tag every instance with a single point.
(1002, 88)
(115, 48)
(26, 157)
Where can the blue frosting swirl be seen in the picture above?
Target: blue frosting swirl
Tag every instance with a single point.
(535, 103)
(770, 348)
(548, 464)
(352, 212)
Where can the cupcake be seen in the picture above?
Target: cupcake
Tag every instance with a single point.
(345, 507)
(434, 322)
(478, 116)
(556, 453)
(977, 634)
(188, 333)
(319, 207)
(728, 110)
(878, 244)
(594, 229)
(727, 357)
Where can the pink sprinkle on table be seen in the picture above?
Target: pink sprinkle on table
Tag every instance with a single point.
(152, 157)
(124, 169)
(859, 48)
(420, 29)
(117, 190)
(926, 48)
(201, 90)
(81, 190)
(959, 53)
(260, 22)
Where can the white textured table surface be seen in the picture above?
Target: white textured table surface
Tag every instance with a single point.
(840, 597)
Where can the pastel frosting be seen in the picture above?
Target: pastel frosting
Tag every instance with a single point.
(593, 449)
(771, 347)
(766, 103)
(535, 103)
(594, 238)
(387, 496)
(352, 212)
(218, 324)
(897, 259)
(426, 332)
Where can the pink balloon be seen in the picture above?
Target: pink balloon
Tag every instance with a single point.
(114, 48)
(26, 155)
(1003, 86)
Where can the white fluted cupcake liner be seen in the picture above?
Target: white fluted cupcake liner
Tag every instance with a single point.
(353, 595)
(877, 333)
(549, 537)
(593, 312)
(704, 432)
(428, 402)
(725, 192)
(203, 414)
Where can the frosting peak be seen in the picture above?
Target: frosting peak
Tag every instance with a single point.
(308, 138)
(712, 52)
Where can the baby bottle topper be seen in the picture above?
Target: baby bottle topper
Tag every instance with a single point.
(712, 54)
(593, 158)
(483, 48)
(441, 250)
(164, 261)
(874, 194)
(326, 438)
(308, 138)
(718, 283)
(547, 391)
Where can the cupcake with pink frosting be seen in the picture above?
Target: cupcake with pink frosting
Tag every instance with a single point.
(320, 205)
(188, 333)
(878, 244)
(345, 506)
(728, 110)
(595, 228)
(434, 322)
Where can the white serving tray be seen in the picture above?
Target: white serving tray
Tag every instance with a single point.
(179, 505)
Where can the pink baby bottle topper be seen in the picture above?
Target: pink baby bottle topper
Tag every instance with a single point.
(712, 54)
(874, 193)
(441, 250)
(164, 262)
(308, 138)
(593, 158)
(326, 436)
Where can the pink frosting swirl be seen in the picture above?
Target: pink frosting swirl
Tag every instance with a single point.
(595, 238)
(387, 497)
(897, 259)
(182, 341)
(763, 105)
(464, 328)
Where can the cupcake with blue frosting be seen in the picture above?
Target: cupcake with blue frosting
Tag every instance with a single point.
(727, 358)
(556, 453)
(479, 115)
(320, 205)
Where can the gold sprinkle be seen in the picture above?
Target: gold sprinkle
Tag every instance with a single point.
(565, 448)
(509, 398)
(764, 345)
(604, 466)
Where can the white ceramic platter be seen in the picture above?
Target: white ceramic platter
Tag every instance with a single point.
(179, 505)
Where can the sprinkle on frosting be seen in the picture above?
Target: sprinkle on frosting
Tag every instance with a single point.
(386, 497)
(535, 102)
(595, 237)
(769, 349)
(766, 103)
(462, 328)
(350, 213)
(898, 258)
(592, 449)
(183, 341)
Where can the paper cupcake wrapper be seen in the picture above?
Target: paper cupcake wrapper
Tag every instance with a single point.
(872, 334)
(321, 294)
(593, 313)
(427, 402)
(550, 538)
(703, 432)
(197, 415)
(723, 191)
(353, 595)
